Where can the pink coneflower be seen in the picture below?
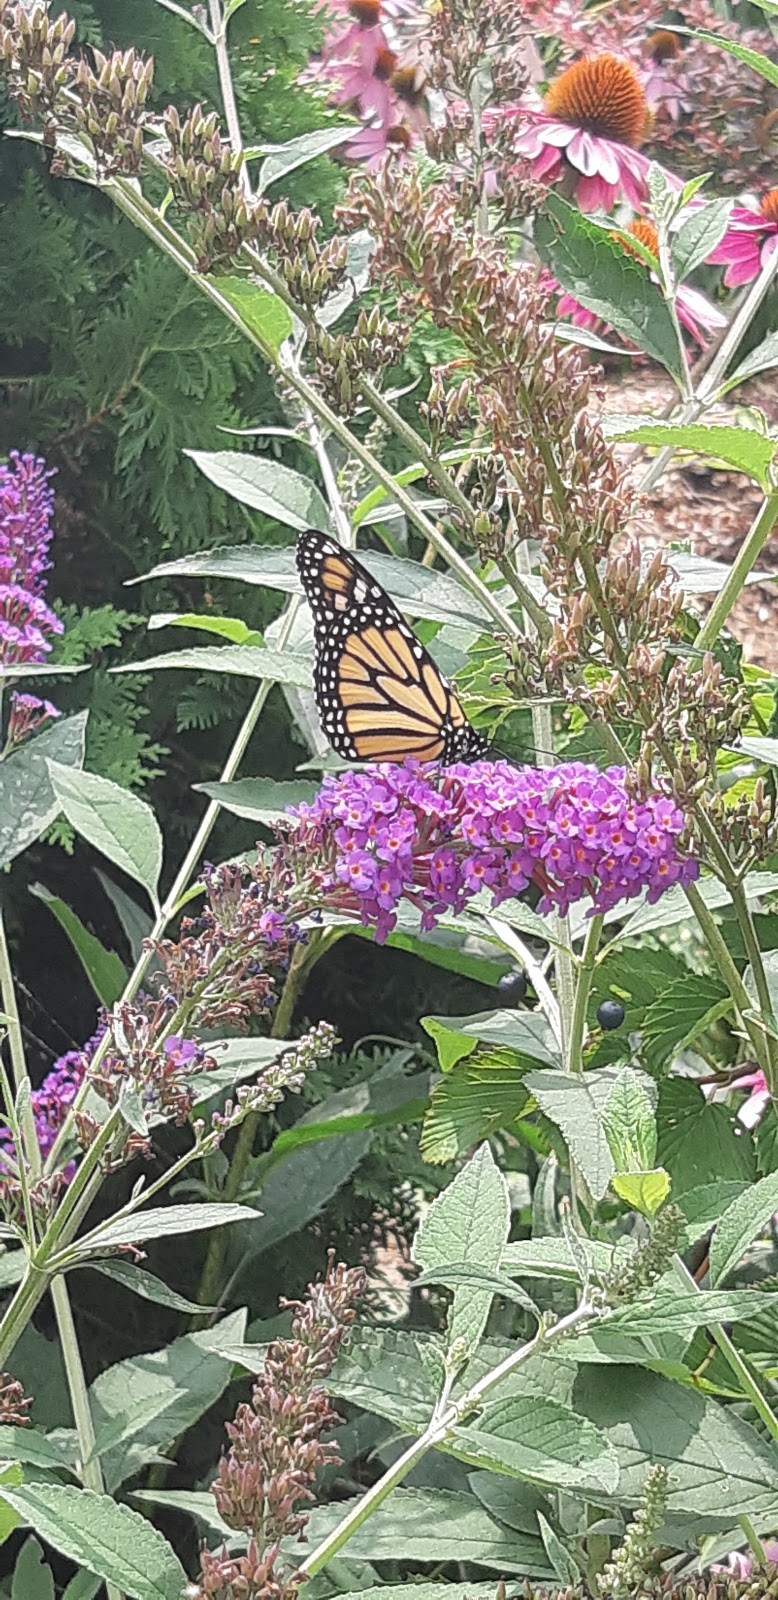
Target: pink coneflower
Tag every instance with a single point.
(749, 242)
(665, 90)
(590, 125)
(696, 313)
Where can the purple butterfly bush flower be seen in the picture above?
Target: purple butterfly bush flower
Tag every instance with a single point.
(52, 1101)
(27, 623)
(438, 836)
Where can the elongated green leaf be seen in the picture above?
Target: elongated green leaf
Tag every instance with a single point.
(762, 359)
(526, 1032)
(698, 1142)
(33, 1577)
(743, 449)
(750, 58)
(142, 1404)
(391, 1373)
(104, 969)
(469, 1222)
(242, 661)
(577, 1106)
(674, 906)
(281, 159)
(10, 1473)
(421, 1525)
(118, 823)
(264, 485)
(671, 1311)
(258, 799)
(83, 1586)
(163, 1222)
(148, 1287)
(743, 1220)
(704, 1206)
(629, 1122)
(28, 804)
(537, 1437)
(233, 629)
(698, 236)
(550, 1257)
(680, 1015)
(567, 1570)
(460, 1273)
(471, 1102)
(110, 1540)
(596, 270)
(765, 750)
(264, 314)
(36, 1449)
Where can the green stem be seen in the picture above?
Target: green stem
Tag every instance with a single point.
(732, 1356)
(586, 966)
(440, 1428)
(754, 953)
(729, 972)
(750, 551)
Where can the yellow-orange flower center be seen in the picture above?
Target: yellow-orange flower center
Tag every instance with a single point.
(769, 205)
(408, 85)
(385, 63)
(662, 45)
(602, 95)
(365, 12)
(645, 233)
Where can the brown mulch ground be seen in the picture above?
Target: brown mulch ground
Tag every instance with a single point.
(710, 510)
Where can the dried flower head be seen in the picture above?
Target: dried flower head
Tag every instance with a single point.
(14, 1404)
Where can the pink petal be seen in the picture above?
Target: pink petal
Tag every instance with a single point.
(594, 194)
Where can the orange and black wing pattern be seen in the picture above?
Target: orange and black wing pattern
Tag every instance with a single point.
(379, 694)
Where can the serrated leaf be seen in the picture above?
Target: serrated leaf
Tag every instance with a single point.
(698, 236)
(439, 1525)
(680, 1015)
(566, 1568)
(471, 1103)
(281, 159)
(458, 1273)
(258, 799)
(34, 1448)
(470, 1222)
(703, 1207)
(162, 1222)
(550, 1257)
(383, 1370)
(537, 1437)
(743, 449)
(629, 1121)
(526, 1032)
(114, 820)
(698, 1141)
(264, 485)
(677, 1311)
(743, 1220)
(112, 1541)
(643, 1191)
(105, 970)
(28, 804)
(597, 271)
(262, 312)
(240, 661)
(576, 1105)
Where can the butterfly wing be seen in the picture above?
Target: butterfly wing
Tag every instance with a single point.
(379, 694)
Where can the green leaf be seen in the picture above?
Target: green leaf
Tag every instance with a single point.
(680, 1015)
(704, 1206)
(112, 1541)
(741, 1223)
(83, 1586)
(763, 750)
(676, 1311)
(136, 922)
(472, 1102)
(114, 820)
(384, 1370)
(240, 661)
(10, 1473)
(750, 58)
(643, 1191)
(35, 1449)
(743, 449)
(629, 1121)
(150, 1399)
(459, 1273)
(597, 271)
(28, 804)
(537, 1437)
(674, 906)
(263, 313)
(576, 1105)
(230, 628)
(258, 799)
(161, 1222)
(148, 1287)
(33, 1577)
(550, 1257)
(469, 1222)
(718, 1464)
(526, 1032)
(264, 485)
(284, 158)
(697, 1141)
(566, 1568)
(438, 1525)
(762, 359)
(104, 969)
(698, 236)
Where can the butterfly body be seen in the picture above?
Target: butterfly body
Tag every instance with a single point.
(379, 694)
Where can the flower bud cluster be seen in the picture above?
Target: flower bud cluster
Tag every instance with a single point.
(285, 1076)
(342, 359)
(267, 1476)
(636, 1557)
(206, 177)
(310, 270)
(34, 59)
(448, 411)
(648, 1261)
(111, 107)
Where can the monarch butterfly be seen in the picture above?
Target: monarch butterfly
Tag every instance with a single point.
(378, 692)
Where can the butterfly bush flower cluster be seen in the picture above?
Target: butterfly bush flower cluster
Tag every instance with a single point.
(438, 837)
(27, 623)
(267, 1476)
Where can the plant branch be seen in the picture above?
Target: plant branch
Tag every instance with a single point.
(732, 1356)
(749, 554)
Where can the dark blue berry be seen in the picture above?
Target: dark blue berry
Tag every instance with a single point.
(512, 987)
(610, 1015)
